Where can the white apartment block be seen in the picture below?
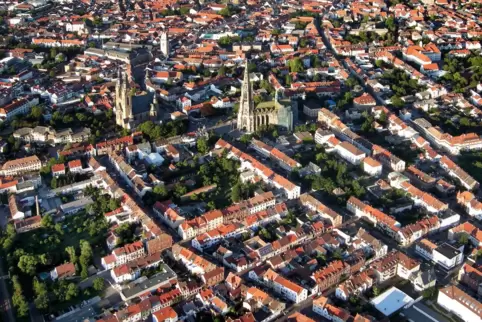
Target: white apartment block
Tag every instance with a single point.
(19, 166)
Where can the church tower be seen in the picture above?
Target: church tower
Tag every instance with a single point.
(154, 109)
(165, 43)
(246, 105)
(123, 101)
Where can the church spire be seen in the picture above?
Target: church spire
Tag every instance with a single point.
(246, 104)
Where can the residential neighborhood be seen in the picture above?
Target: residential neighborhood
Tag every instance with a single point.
(241, 161)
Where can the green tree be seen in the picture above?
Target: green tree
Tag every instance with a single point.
(375, 291)
(18, 299)
(211, 205)
(289, 80)
(85, 258)
(464, 239)
(225, 12)
(296, 65)
(430, 293)
(28, 264)
(236, 193)
(72, 292)
(98, 284)
(390, 23)
(258, 99)
(202, 145)
(41, 300)
(397, 101)
(53, 183)
(160, 191)
(70, 250)
(222, 71)
(47, 221)
(36, 112)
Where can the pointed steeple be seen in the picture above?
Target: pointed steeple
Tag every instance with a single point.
(119, 76)
(246, 104)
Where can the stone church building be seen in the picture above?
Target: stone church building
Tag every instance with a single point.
(252, 118)
(133, 107)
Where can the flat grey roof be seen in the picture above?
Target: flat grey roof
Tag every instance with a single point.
(134, 289)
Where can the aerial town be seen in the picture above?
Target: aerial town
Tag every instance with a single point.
(241, 160)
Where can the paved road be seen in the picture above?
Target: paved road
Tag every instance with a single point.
(5, 299)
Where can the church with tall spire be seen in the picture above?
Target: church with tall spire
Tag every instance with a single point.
(251, 118)
(132, 105)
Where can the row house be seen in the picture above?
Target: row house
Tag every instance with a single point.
(349, 152)
(410, 233)
(251, 206)
(118, 144)
(21, 106)
(213, 277)
(43, 135)
(256, 299)
(456, 172)
(424, 199)
(171, 297)
(397, 127)
(119, 216)
(264, 217)
(452, 144)
(210, 300)
(76, 151)
(419, 177)
(127, 172)
(20, 166)
(331, 275)
(141, 311)
(169, 213)
(422, 55)
(216, 235)
(199, 225)
(322, 307)
(379, 219)
(248, 163)
(471, 205)
(356, 285)
(471, 276)
(474, 234)
(132, 269)
(281, 158)
(388, 159)
(395, 263)
(445, 255)
(123, 255)
(47, 42)
(372, 166)
(372, 247)
(286, 288)
(27, 224)
(459, 303)
(194, 263)
(325, 212)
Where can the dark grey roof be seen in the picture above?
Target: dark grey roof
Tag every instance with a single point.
(134, 289)
(448, 250)
(142, 103)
